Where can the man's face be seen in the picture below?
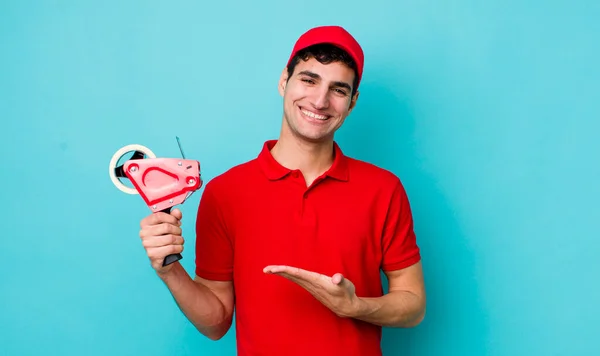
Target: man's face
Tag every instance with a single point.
(316, 99)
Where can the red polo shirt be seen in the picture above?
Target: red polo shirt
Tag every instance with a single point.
(355, 219)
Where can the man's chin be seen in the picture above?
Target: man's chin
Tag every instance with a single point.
(316, 138)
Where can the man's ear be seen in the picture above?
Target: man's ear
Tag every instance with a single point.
(353, 102)
(282, 81)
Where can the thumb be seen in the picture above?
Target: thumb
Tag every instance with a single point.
(337, 278)
(177, 214)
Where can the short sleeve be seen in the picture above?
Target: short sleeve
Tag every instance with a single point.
(399, 243)
(214, 249)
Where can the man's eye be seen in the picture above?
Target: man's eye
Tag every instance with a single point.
(340, 91)
(309, 81)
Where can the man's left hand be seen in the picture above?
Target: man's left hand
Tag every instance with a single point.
(336, 293)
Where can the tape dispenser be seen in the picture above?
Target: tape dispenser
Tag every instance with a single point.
(162, 182)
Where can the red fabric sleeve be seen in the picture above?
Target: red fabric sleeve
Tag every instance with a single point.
(399, 242)
(214, 249)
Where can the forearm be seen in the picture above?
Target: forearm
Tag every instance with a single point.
(197, 302)
(396, 309)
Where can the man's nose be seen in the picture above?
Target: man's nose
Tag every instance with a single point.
(320, 99)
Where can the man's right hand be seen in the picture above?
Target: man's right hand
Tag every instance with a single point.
(161, 236)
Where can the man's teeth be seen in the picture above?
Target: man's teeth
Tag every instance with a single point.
(314, 116)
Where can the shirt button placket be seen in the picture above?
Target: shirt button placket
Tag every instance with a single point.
(297, 177)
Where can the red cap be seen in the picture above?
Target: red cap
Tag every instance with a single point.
(336, 36)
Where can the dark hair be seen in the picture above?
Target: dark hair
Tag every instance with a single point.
(325, 53)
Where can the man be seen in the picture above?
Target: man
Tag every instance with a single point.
(296, 238)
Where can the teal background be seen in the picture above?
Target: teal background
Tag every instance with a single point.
(488, 111)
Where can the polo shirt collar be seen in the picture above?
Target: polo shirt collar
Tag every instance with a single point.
(274, 170)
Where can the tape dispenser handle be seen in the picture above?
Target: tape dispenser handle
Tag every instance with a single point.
(174, 257)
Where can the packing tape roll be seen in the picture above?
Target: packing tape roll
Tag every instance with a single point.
(113, 164)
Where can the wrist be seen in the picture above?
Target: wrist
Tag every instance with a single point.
(168, 273)
(360, 308)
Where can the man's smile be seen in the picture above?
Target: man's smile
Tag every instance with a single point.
(313, 115)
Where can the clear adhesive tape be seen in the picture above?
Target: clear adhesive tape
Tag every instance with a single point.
(113, 164)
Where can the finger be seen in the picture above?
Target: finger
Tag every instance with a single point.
(282, 271)
(337, 278)
(305, 275)
(162, 229)
(159, 218)
(164, 240)
(269, 269)
(159, 253)
(273, 269)
(296, 273)
(171, 218)
(177, 214)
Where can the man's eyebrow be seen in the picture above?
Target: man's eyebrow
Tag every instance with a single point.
(342, 85)
(310, 74)
(334, 84)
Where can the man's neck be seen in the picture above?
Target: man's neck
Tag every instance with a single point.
(312, 159)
